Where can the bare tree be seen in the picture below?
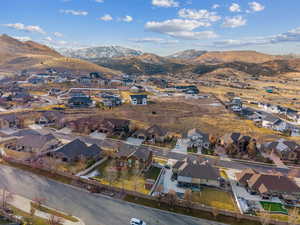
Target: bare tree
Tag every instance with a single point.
(159, 195)
(188, 197)
(265, 217)
(5, 197)
(293, 216)
(39, 201)
(215, 212)
(171, 198)
(110, 176)
(54, 220)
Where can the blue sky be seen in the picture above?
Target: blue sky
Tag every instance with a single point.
(158, 26)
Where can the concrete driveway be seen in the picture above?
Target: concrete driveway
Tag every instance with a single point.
(91, 208)
(181, 146)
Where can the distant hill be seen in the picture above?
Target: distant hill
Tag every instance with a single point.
(270, 68)
(187, 54)
(231, 56)
(100, 52)
(146, 64)
(16, 55)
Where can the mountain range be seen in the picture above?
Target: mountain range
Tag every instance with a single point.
(100, 52)
(16, 55)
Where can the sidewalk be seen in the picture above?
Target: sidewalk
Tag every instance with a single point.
(24, 204)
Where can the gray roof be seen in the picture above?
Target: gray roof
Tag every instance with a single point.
(197, 169)
(35, 141)
(78, 148)
(270, 118)
(25, 132)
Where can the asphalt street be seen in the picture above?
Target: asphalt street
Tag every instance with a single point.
(93, 209)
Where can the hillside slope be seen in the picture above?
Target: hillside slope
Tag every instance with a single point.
(16, 55)
(231, 56)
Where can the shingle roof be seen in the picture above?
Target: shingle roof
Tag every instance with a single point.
(273, 183)
(155, 129)
(197, 169)
(35, 141)
(78, 148)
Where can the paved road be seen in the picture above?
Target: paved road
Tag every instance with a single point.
(91, 208)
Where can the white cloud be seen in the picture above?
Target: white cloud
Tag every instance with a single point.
(58, 34)
(201, 14)
(48, 39)
(154, 40)
(215, 6)
(99, 1)
(290, 36)
(179, 28)
(29, 28)
(256, 7)
(233, 22)
(25, 38)
(106, 17)
(74, 12)
(127, 19)
(165, 3)
(235, 7)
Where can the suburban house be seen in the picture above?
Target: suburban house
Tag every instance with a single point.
(139, 99)
(154, 133)
(287, 151)
(77, 150)
(48, 118)
(80, 102)
(236, 142)
(128, 156)
(85, 80)
(269, 121)
(114, 126)
(21, 96)
(198, 139)
(137, 88)
(268, 185)
(54, 91)
(195, 173)
(34, 143)
(111, 100)
(36, 80)
(10, 121)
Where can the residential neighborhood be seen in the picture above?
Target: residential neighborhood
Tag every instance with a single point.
(154, 112)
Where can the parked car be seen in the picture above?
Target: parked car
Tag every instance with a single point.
(135, 221)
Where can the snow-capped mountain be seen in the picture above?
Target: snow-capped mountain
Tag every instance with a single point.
(100, 52)
(187, 54)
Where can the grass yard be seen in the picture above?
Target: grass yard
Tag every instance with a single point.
(215, 198)
(224, 174)
(27, 217)
(54, 212)
(152, 173)
(274, 207)
(160, 160)
(128, 179)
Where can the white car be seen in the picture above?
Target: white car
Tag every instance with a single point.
(135, 221)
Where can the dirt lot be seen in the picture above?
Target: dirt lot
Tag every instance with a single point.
(178, 115)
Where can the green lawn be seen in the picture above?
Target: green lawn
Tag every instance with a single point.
(215, 198)
(152, 173)
(274, 207)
